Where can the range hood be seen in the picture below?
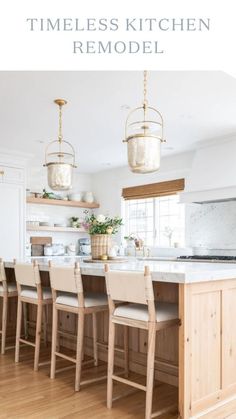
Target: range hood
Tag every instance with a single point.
(212, 177)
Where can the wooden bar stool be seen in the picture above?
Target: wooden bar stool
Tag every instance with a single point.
(68, 296)
(142, 312)
(30, 291)
(7, 290)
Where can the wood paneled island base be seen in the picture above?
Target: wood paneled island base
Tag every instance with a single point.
(207, 348)
(199, 357)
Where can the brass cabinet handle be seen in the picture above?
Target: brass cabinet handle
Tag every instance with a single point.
(2, 172)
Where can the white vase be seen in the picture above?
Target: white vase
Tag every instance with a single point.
(88, 197)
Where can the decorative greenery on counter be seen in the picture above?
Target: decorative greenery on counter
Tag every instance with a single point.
(137, 241)
(101, 224)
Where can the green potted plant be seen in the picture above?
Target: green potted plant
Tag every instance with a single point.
(138, 243)
(101, 228)
(74, 222)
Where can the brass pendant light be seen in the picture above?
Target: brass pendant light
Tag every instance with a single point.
(60, 158)
(144, 135)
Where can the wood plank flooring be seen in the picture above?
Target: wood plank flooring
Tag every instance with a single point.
(28, 394)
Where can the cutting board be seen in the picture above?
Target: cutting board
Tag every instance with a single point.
(40, 240)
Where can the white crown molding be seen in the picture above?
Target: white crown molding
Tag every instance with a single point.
(14, 156)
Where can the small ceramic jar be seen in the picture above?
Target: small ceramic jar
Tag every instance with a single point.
(112, 252)
(88, 197)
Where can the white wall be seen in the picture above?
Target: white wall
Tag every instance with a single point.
(211, 226)
(213, 165)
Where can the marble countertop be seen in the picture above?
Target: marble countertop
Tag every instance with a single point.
(163, 271)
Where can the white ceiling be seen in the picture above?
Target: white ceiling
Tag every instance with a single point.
(196, 106)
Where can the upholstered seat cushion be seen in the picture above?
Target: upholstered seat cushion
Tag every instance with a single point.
(11, 287)
(31, 292)
(91, 299)
(164, 311)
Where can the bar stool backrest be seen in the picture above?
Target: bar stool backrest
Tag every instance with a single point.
(3, 278)
(27, 274)
(67, 279)
(131, 287)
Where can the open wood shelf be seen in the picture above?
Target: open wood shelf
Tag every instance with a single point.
(61, 202)
(51, 228)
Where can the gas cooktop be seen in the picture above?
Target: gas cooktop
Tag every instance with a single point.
(210, 258)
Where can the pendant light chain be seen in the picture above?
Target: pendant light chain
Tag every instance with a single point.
(145, 102)
(60, 137)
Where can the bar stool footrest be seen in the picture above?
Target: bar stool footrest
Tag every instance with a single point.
(129, 382)
(27, 342)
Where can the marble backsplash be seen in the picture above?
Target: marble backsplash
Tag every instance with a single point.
(211, 226)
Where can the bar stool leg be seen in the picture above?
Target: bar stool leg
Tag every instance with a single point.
(150, 368)
(111, 348)
(54, 341)
(79, 350)
(38, 336)
(58, 338)
(95, 339)
(25, 317)
(4, 323)
(126, 350)
(18, 330)
(45, 316)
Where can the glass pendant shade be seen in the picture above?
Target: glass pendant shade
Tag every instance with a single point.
(59, 176)
(144, 135)
(60, 160)
(144, 154)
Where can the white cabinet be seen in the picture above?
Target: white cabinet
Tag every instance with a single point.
(11, 174)
(12, 212)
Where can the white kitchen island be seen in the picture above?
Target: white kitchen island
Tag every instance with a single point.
(200, 356)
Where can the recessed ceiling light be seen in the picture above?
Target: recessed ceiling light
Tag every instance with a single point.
(125, 107)
(169, 148)
(106, 164)
(186, 116)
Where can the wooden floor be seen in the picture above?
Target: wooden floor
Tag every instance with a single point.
(28, 394)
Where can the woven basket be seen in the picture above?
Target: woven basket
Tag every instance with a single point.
(100, 245)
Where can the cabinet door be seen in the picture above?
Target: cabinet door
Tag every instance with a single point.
(12, 220)
(10, 174)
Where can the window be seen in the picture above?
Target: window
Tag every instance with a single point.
(157, 221)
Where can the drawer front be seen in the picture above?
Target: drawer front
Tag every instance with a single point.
(11, 174)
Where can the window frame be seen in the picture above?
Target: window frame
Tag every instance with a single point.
(153, 191)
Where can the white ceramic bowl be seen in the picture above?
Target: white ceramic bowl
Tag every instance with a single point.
(75, 197)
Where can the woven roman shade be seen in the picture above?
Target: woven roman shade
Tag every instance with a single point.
(152, 190)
